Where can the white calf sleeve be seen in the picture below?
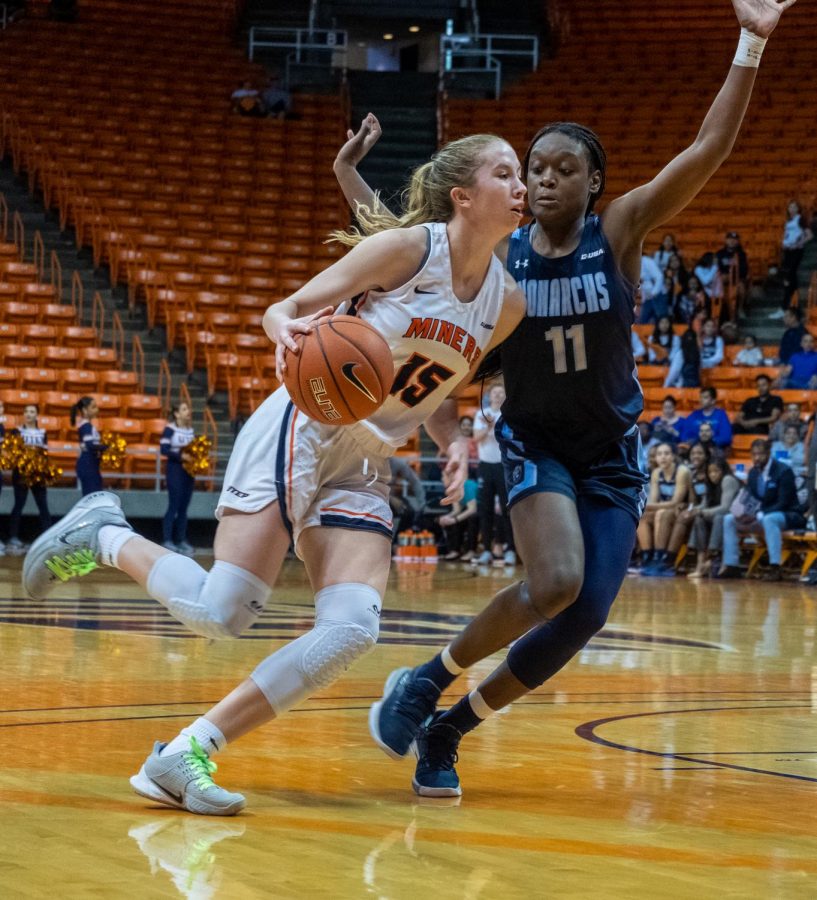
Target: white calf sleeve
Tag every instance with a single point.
(221, 603)
(347, 623)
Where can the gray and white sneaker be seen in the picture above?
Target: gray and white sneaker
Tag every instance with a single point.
(184, 780)
(71, 547)
(15, 547)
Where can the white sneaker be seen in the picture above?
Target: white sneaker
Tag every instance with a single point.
(484, 559)
(71, 547)
(184, 781)
(2, 549)
(777, 314)
(169, 545)
(510, 558)
(15, 547)
(186, 549)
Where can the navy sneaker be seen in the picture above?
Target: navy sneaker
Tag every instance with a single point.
(435, 775)
(407, 702)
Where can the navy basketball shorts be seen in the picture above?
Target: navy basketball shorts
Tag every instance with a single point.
(615, 475)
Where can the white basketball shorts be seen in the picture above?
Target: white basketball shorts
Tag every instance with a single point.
(326, 475)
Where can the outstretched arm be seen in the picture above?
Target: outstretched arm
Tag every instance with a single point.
(349, 157)
(630, 218)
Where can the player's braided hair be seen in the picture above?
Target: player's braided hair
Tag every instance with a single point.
(596, 154)
(428, 195)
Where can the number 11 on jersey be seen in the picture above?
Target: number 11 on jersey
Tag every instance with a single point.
(574, 334)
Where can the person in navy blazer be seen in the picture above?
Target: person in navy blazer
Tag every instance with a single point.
(770, 508)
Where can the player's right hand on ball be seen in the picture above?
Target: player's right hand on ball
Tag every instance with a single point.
(284, 336)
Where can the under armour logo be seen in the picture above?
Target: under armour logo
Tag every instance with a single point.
(523, 263)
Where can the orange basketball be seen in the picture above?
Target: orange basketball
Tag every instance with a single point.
(342, 373)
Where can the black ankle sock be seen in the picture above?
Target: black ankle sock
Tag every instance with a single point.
(435, 671)
(461, 716)
(646, 557)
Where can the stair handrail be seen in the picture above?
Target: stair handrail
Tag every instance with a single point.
(327, 40)
(98, 316)
(4, 213)
(78, 295)
(486, 50)
(38, 254)
(118, 338)
(184, 394)
(138, 362)
(55, 273)
(210, 430)
(18, 233)
(164, 385)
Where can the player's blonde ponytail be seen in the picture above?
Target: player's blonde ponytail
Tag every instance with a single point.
(428, 195)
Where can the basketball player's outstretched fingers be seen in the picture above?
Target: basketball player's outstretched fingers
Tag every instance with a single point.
(760, 16)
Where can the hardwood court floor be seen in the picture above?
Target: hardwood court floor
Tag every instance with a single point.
(675, 757)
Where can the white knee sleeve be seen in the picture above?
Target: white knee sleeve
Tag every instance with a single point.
(347, 623)
(221, 603)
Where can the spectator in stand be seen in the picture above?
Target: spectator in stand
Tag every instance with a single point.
(646, 446)
(711, 345)
(83, 413)
(708, 412)
(639, 352)
(791, 450)
(732, 264)
(768, 505)
(663, 344)
(685, 367)
(670, 487)
(652, 279)
(275, 100)
(33, 436)
(708, 273)
(699, 458)
(750, 354)
(666, 428)
(177, 435)
(662, 255)
(795, 235)
(793, 335)
(246, 101)
(801, 371)
(758, 414)
(706, 439)
(461, 525)
(693, 305)
(467, 430)
(792, 415)
(662, 304)
(2, 438)
(678, 273)
(707, 530)
(495, 530)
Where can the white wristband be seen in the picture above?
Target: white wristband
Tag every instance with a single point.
(750, 49)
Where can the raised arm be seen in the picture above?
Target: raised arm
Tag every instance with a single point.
(630, 218)
(349, 157)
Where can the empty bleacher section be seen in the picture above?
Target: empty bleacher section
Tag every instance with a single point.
(121, 124)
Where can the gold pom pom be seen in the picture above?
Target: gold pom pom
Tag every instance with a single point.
(11, 450)
(35, 469)
(113, 456)
(196, 456)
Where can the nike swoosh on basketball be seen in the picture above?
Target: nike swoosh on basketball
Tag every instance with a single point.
(348, 370)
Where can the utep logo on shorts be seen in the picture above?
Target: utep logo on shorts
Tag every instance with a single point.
(232, 490)
(318, 389)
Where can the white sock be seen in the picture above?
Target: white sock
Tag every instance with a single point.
(479, 706)
(449, 663)
(112, 538)
(204, 731)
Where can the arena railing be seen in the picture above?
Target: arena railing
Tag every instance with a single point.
(480, 54)
(332, 42)
(3, 15)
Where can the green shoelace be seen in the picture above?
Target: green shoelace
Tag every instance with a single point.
(201, 764)
(72, 565)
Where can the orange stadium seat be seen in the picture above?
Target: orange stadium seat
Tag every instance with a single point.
(79, 381)
(15, 400)
(141, 406)
(114, 381)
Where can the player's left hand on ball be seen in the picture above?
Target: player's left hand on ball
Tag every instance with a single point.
(455, 472)
(284, 336)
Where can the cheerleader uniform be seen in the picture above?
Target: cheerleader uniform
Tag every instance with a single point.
(179, 484)
(32, 437)
(90, 450)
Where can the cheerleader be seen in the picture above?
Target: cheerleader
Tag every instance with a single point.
(33, 436)
(2, 438)
(83, 412)
(177, 435)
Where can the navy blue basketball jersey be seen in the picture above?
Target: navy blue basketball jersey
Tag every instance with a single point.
(570, 376)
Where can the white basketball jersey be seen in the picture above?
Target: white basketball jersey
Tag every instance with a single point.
(434, 338)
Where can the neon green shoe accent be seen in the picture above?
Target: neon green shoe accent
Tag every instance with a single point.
(72, 565)
(201, 764)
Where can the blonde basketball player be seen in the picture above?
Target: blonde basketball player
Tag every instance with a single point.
(429, 282)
